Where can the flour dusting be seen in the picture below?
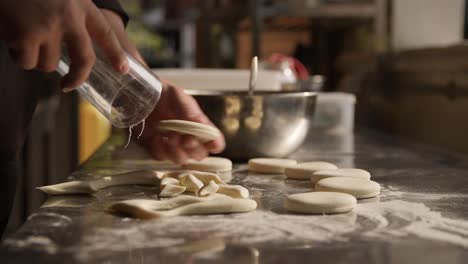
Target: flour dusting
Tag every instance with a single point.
(52, 219)
(392, 192)
(412, 219)
(390, 219)
(40, 243)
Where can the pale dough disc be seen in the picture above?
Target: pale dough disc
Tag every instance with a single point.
(320, 203)
(269, 165)
(201, 131)
(209, 164)
(356, 173)
(359, 188)
(304, 171)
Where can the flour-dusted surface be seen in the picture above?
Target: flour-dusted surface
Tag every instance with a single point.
(421, 216)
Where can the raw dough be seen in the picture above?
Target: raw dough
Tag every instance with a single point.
(304, 171)
(210, 164)
(147, 209)
(167, 180)
(171, 190)
(176, 174)
(320, 203)
(206, 177)
(203, 176)
(357, 173)
(175, 202)
(267, 165)
(204, 132)
(191, 183)
(144, 177)
(208, 189)
(234, 191)
(359, 188)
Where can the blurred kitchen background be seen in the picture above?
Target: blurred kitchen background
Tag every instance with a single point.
(400, 66)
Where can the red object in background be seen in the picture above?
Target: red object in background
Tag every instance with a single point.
(301, 71)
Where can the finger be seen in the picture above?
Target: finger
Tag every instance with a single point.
(190, 142)
(119, 29)
(216, 146)
(157, 148)
(198, 153)
(104, 37)
(26, 56)
(187, 106)
(174, 149)
(82, 56)
(49, 56)
(194, 148)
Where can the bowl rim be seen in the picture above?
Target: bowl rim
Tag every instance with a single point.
(245, 93)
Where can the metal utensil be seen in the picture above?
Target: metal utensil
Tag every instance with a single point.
(253, 75)
(267, 124)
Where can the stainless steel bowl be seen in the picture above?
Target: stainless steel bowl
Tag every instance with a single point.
(267, 124)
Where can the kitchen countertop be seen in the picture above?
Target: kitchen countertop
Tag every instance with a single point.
(421, 215)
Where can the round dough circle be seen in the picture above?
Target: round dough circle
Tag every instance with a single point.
(269, 165)
(359, 188)
(320, 203)
(304, 171)
(209, 164)
(198, 130)
(356, 173)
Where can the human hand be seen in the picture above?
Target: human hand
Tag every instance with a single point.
(173, 104)
(35, 30)
(117, 25)
(176, 104)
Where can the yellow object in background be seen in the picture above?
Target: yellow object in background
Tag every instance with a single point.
(94, 129)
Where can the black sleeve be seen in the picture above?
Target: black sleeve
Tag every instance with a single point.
(18, 98)
(113, 5)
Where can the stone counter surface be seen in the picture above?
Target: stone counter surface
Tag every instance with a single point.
(421, 215)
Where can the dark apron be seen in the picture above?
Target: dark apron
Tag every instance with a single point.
(18, 98)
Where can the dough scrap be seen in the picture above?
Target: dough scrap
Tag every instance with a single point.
(171, 203)
(171, 190)
(303, 171)
(167, 180)
(359, 188)
(210, 164)
(203, 176)
(356, 173)
(72, 187)
(176, 174)
(147, 209)
(144, 177)
(320, 203)
(269, 165)
(191, 183)
(204, 132)
(208, 189)
(234, 191)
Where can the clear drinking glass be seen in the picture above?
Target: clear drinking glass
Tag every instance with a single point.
(124, 99)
